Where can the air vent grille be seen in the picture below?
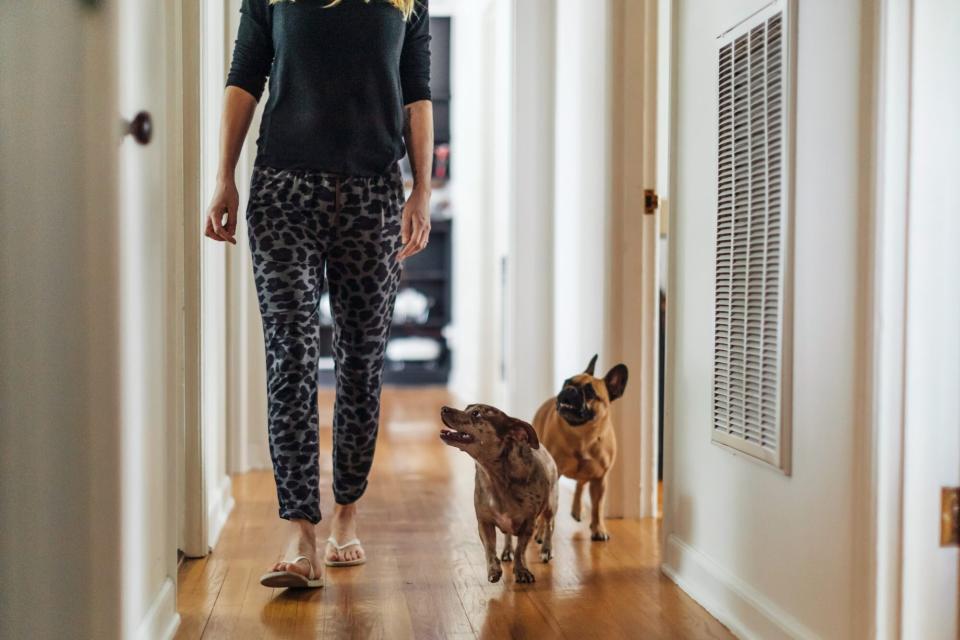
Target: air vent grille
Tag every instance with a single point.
(748, 336)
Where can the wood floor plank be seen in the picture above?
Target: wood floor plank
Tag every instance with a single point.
(426, 577)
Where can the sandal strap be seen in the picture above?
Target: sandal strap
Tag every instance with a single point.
(309, 563)
(348, 543)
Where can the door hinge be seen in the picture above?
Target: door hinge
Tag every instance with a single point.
(950, 516)
(651, 201)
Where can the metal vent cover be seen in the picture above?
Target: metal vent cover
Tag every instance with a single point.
(750, 372)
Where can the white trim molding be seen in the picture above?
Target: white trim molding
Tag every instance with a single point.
(737, 605)
(221, 505)
(161, 620)
(890, 189)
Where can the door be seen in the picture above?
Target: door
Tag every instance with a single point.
(59, 420)
(148, 321)
(931, 572)
(86, 492)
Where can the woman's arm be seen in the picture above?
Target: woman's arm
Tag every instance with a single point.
(238, 108)
(418, 135)
(418, 128)
(252, 57)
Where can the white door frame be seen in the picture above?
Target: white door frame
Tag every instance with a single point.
(930, 416)
(890, 188)
(634, 332)
(185, 166)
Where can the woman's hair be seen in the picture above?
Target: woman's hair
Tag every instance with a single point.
(404, 6)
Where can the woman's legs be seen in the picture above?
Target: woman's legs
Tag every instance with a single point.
(287, 255)
(362, 274)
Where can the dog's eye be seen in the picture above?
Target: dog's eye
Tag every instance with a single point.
(588, 392)
(475, 415)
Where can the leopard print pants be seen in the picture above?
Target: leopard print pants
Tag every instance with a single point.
(304, 228)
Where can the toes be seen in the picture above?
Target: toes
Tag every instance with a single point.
(524, 576)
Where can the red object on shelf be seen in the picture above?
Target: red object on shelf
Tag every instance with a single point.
(441, 154)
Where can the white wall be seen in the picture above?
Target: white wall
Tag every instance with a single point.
(214, 270)
(771, 555)
(502, 173)
(582, 188)
(473, 191)
(529, 326)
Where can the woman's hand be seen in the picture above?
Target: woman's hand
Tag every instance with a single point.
(226, 200)
(415, 225)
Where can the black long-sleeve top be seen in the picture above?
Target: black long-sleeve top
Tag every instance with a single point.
(339, 79)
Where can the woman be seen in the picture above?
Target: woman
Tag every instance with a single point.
(349, 95)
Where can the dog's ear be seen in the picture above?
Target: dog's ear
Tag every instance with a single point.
(616, 381)
(593, 363)
(522, 432)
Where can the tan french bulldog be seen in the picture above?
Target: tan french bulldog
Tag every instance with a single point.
(576, 429)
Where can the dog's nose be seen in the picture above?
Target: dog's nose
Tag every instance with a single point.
(569, 395)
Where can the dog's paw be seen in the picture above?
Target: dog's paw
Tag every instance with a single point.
(600, 536)
(523, 575)
(494, 573)
(546, 554)
(507, 555)
(575, 515)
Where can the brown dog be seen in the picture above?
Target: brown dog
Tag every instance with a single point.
(516, 483)
(576, 429)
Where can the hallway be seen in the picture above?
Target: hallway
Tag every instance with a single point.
(426, 576)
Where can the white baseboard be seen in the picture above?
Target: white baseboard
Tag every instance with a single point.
(161, 620)
(748, 614)
(221, 504)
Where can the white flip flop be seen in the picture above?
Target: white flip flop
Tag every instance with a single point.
(292, 579)
(340, 547)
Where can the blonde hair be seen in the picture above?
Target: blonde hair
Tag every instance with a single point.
(404, 6)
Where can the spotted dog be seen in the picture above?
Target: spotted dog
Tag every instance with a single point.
(516, 483)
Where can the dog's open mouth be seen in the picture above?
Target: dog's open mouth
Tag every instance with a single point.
(452, 435)
(574, 414)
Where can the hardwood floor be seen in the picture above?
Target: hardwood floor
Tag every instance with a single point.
(426, 576)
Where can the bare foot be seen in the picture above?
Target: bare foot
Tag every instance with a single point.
(303, 542)
(343, 527)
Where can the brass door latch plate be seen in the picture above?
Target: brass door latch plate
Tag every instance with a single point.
(950, 517)
(651, 201)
